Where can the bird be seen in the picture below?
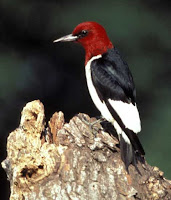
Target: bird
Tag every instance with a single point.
(111, 87)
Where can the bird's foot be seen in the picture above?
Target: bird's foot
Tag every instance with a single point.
(92, 125)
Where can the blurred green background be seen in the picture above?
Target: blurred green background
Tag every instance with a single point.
(32, 67)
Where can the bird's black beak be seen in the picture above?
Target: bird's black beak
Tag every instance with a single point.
(67, 38)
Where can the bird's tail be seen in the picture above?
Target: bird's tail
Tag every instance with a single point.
(131, 149)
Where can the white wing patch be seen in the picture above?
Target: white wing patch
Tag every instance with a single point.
(128, 113)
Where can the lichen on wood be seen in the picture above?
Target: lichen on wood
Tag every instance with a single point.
(64, 161)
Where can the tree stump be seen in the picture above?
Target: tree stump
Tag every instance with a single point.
(72, 161)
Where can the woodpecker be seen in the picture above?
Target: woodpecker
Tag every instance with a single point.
(111, 87)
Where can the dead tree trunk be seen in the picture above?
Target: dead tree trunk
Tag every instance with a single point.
(71, 161)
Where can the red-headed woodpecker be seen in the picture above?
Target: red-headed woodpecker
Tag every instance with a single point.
(111, 87)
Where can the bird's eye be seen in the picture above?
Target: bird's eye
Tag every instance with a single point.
(83, 33)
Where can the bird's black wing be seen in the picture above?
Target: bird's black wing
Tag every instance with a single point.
(112, 77)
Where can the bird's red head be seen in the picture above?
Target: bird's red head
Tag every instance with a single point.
(92, 36)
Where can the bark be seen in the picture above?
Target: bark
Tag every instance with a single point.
(72, 161)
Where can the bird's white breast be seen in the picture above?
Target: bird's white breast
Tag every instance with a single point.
(101, 106)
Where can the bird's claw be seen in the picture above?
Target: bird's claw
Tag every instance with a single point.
(92, 126)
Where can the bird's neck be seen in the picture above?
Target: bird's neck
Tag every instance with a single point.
(96, 49)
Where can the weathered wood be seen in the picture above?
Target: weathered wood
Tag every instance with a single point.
(66, 161)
